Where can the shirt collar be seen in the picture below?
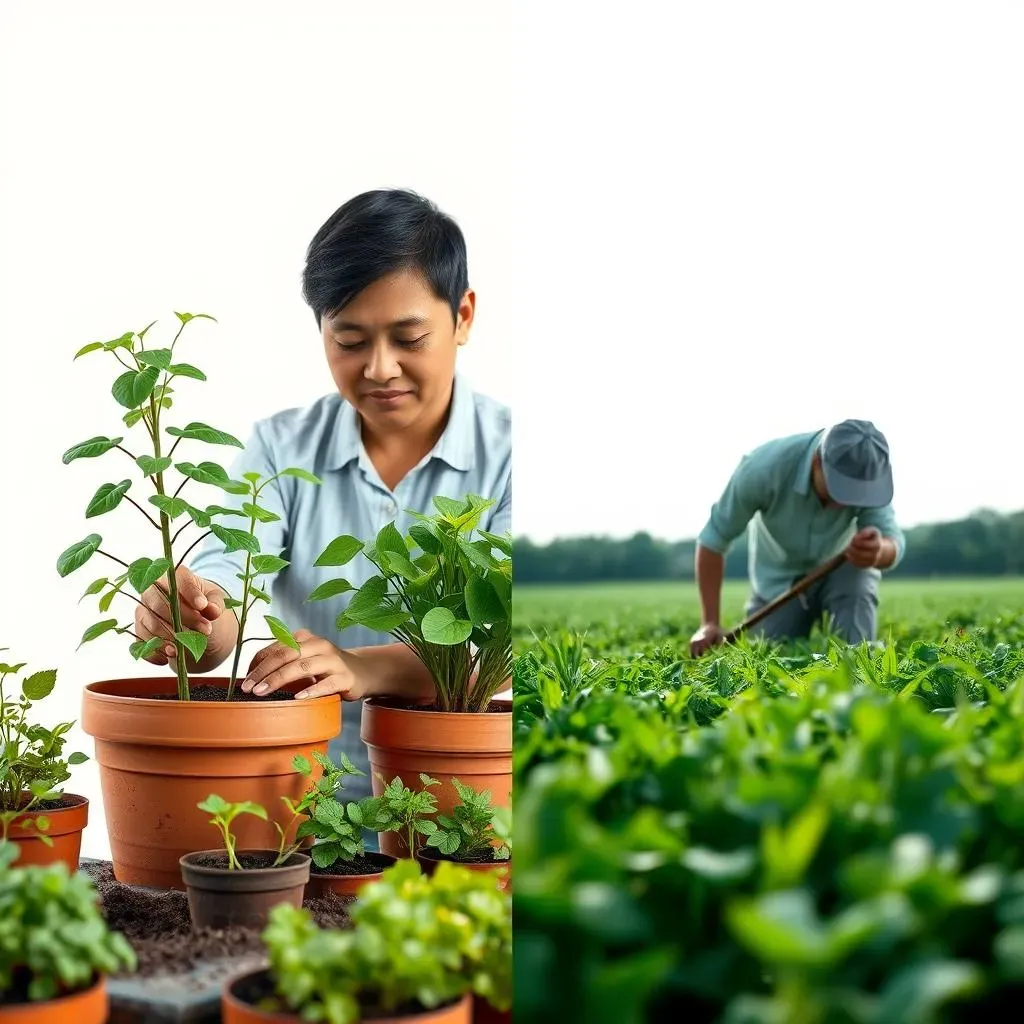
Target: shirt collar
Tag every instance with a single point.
(802, 484)
(454, 446)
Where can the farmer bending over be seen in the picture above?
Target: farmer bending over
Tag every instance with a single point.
(806, 498)
(386, 278)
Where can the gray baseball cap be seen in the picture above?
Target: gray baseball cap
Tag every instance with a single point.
(855, 461)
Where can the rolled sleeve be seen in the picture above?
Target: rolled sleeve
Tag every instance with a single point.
(742, 498)
(884, 520)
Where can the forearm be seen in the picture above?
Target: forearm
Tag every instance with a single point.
(710, 571)
(391, 670)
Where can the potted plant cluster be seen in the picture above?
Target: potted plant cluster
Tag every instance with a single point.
(44, 823)
(163, 745)
(55, 947)
(419, 950)
(446, 594)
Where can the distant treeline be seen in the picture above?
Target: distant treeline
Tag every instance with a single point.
(984, 544)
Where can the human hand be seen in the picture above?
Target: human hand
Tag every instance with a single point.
(709, 635)
(317, 659)
(200, 603)
(865, 549)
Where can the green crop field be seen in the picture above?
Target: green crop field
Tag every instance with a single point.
(813, 834)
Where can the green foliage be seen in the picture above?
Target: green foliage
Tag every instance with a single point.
(451, 603)
(416, 942)
(469, 830)
(53, 938)
(33, 765)
(144, 389)
(805, 834)
(401, 809)
(223, 814)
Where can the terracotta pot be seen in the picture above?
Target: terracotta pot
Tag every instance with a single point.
(225, 897)
(159, 758)
(475, 748)
(501, 868)
(234, 1010)
(347, 885)
(65, 831)
(91, 1006)
(484, 1013)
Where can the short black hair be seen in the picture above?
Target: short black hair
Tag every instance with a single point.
(378, 233)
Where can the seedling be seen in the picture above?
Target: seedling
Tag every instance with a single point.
(403, 810)
(469, 830)
(33, 766)
(144, 389)
(450, 604)
(223, 815)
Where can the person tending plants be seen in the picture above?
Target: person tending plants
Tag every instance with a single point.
(805, 498)
(386, 278)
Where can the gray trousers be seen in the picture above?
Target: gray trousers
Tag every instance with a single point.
(847, 600)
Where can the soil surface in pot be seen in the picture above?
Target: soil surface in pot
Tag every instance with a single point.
(17, 994)
(365, 864)
(220, 693)
(249, 861)
(495, 707)
(159, 928)
(52, 805)
(480, 857)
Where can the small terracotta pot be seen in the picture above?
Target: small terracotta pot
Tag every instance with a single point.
(223, 897)
(234, 1010)
(66, 827)
(347, 885)
(90, 1006)
(159, 758)
(473, 747)
(502, 869)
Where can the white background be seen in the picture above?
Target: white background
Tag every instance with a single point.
(690, 229)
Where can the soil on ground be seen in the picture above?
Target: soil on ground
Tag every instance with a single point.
(159, 928)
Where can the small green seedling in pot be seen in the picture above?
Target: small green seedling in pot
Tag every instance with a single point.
(144, 390)
(224, 814)
(469, 831)
(401, 809)
(33, 765)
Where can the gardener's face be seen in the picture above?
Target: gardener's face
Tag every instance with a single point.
(392, 351)
(818, 482)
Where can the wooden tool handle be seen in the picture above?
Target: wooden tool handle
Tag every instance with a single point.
(794, 591)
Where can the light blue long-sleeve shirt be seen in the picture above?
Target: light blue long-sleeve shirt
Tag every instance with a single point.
(472, 456)
(789, 532)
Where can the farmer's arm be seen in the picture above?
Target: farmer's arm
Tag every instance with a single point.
(744, 495)
(893, 543)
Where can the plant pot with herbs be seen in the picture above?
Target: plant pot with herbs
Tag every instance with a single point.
(447, 595)
(476, 835)
(55, 949)
(163, 744)
(229, 887)
(419, 950)
(43, 823)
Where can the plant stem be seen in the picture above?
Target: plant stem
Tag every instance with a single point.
(192, 547)
(244, 613)
(121, 448)
(154, 523)
(113, 558)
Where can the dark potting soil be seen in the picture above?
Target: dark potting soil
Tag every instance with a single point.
(54, 805)
(495, 707)
(158, 925)
(480, 857)
(365, 864)
(249, 861)
(220, 693)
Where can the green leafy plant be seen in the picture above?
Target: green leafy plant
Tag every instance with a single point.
(469, 830)
(33, 765)
(450, 603)
(416, 943)
(401, 809)
(223, 814)
(144, 390)
(53, 938)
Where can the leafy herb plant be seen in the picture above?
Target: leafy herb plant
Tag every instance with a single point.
(417, 943)
(33, 765)
(144, 389)
(450, 603)
(55, 940)
(401, 809)
(469, 830)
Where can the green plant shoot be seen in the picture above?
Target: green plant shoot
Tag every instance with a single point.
(223, 814)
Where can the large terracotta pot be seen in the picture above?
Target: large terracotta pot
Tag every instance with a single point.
(475, 748)
(159, 758)
(65, 832)
(234, 1010)
(91, 1006)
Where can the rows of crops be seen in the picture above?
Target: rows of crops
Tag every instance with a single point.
(815, 835)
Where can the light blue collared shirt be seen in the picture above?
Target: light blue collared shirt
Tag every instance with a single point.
(790, 532)
(472, 456)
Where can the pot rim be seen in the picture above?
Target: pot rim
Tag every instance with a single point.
(423, 852)
(293, 872)
(382, 704)
(391, 861)
(294, 860)
(96, 694)
(80, 801)
(99, 983)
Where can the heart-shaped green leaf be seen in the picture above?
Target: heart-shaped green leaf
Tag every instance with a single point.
(440, 626)
(332, 588)
(133, 387)
(340, 551)
(78, 554)
(144, 648)
(261, 515)
(144, 572)
(171, 507)
(151, 466)
(90, 449)
(158, 357)
(107, 498)
(193, 642)
(282, 634)
(268, 563)
(197, 431)
(235, 540)
(186, 370)
(483, 604)
(98, 629)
